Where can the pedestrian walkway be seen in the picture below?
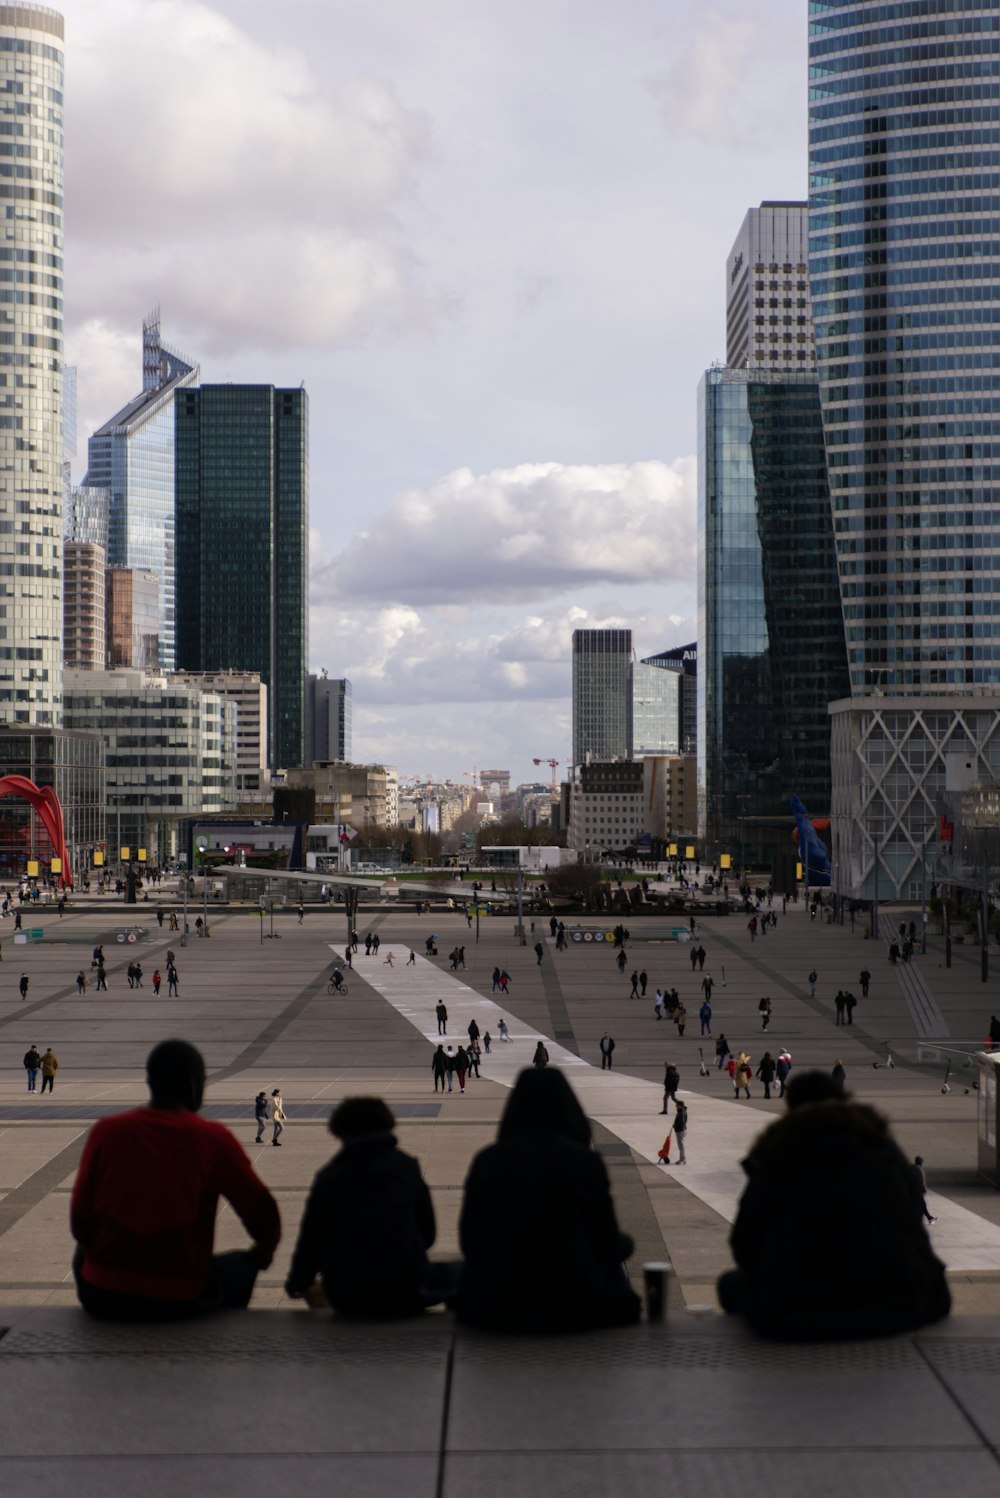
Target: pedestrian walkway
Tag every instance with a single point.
(719, 1133)
(928, 1020)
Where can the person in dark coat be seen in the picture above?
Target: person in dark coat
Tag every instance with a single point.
(542, 1248)
(828, 1239)
(368, 1223)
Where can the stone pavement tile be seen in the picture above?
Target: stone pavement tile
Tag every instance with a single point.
(970, 1368)
(710, 1381)
(253, 1384)
(231, 1475)
(725, 1472)
(23, 1151)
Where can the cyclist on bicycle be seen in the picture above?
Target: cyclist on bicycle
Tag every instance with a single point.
(337, 979)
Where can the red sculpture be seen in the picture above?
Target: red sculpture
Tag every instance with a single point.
(48, 806)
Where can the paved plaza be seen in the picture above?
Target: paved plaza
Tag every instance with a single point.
(260, 1012)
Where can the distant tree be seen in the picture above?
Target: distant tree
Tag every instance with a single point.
(514, 833)
(580, 882)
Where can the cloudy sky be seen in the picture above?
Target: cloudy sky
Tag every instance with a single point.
(490, 237)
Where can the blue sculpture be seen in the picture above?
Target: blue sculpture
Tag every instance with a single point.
(812, 849)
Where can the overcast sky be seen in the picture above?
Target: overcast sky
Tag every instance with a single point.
(490, 237)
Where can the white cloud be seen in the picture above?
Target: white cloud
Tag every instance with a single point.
(213, 173)
(522, 533)
(698, 89)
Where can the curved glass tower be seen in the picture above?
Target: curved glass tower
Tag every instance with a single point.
(904, 144)
(31, 231)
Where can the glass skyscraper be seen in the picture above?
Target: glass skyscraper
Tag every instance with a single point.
(602, 694)
(132, 457)
(656, 708)
(904, 142)
(31, 330)
(770, 640)
(242, 492)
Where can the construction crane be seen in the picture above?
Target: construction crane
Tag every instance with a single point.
(554, 766)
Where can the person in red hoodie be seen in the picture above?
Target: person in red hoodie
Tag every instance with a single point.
(145, 1198)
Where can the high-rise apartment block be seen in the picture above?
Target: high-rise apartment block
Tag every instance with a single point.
(770, 639)
(84, 632)
(132, 457)
(242, 491)
(328, 718)
(768, 318)
(602, 705)
(904, 128)
(31, 313)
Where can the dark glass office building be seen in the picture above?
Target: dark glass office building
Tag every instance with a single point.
(770, 637)
(602, 694)
(242, 522)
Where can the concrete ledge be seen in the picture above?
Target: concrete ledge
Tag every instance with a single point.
(316, 1405)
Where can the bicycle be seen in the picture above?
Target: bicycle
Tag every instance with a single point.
(333, 987)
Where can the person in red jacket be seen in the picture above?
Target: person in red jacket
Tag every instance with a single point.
(145, 1198)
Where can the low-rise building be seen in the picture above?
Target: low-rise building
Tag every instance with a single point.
(606, 805)
(170, 751)
(355, 794)
(249, 693)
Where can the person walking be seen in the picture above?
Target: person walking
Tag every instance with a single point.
(782, 1067)
(32, 1061)
(376, 943)
(502, 1030)
(449, 1063)
(138, 975)
(278, 1116)
(411, 961)
(461, 1067)
(671, 1082)
(390, 959)
(621, 960)
(171, 980)
(839, 1075)
(368, 944)
(475, 1056)
(442, 1018)
(680, 1130)
(765, 1012)
(496, 979)
(721, 1051)
(49, 1067)
(921, 1178)
(694, 956)
(850, 1003)
(102, 977)
(539, 952)
(130, 974)
(743, 1073)
(487, 1042)
(302, 916)
(261, 1114)
(707, 984)
(680, 1019)
(643, 980)
(812, 983)
(23, 986)
(473, 1031)
(705, 1015)
(701, 958)
(840, 1004)
(607, 1050)
(81, 982)
(439, 1066)
(157, 980)
(504, 980)
(635, 985)
(541, 1056)
(658, 1004)
(865, 979)
(752, 928)
(766, 1073)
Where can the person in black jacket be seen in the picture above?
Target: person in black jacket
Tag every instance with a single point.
(368, 1225)
(828, 1238)
(542, 1249)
